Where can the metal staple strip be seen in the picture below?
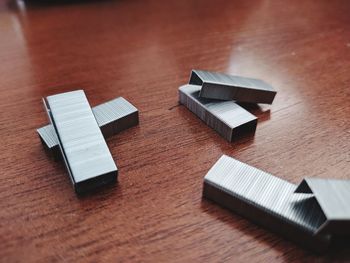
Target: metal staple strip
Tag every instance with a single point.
(112, 117)
(48, 136)
(333, 196)
(227, 87)
(83, 147)
(113, 110)
(226, 117)
(267, 200)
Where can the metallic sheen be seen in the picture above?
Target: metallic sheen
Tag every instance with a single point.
(226, 117)
(83, 147)
(227, 87)
(268, 201)
(112, 117)
(333, 196)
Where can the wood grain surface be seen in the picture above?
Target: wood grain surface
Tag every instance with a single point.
(143, 51)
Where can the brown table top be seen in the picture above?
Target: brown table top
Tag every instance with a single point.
(143, 51)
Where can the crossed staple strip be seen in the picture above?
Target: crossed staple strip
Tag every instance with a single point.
(77, 135)
(213, 96)
(227, 87)
(309, 214)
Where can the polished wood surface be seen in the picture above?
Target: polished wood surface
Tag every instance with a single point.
(143, 51)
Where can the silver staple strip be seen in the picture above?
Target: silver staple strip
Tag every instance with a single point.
(268, 201)
(83, 147)
(227, 87)
(48, 137)
(226, 117)
(112, 117)
(333, 196)
(115, 116)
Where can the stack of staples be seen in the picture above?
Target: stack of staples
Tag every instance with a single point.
(112, 117)
(310, 214)
(77, 135)
(213, 96)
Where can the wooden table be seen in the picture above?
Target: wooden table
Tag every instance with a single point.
(143, 51)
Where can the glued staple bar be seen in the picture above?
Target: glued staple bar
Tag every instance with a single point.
(83, 147)
(226, 117)
(333, 196)
(115, 116)
(227, 87)
(268, 201)
(112, 117)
